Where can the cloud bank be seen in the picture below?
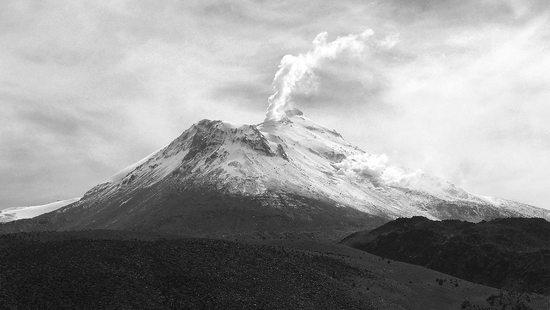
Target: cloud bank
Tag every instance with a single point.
(458, 89)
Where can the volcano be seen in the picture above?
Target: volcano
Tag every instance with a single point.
(284, 176)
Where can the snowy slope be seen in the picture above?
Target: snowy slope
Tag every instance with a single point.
(285, 176)
(17, 213)
(296, 156)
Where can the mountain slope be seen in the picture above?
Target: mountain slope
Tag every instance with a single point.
(17, 213)
(512, 253)
(286, 175)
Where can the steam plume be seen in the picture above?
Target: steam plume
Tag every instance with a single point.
(377, 167)
(298, 71)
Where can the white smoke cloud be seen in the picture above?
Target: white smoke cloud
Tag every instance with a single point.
(298, 72)
(377, 168)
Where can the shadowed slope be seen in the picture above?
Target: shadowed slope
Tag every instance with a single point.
(511, 253)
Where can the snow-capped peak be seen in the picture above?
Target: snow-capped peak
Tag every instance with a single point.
(294, 155)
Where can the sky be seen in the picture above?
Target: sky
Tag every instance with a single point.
(457, 88)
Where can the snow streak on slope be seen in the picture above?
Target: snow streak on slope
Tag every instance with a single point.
(17, 213)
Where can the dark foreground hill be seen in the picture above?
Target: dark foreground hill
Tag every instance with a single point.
(118, 270)
(178, 274)
(511, 253)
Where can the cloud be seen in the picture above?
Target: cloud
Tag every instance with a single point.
(246, 94)
(460, 12)
(455, 88)
(346, 71)
(298, 72)
(376, 169)
(470, 110)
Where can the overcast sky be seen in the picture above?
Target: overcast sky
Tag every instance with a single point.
(457, 88)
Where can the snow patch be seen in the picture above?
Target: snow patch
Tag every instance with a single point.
(117, 177)
(18, 213)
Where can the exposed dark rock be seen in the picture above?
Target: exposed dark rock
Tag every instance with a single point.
(281, 152)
